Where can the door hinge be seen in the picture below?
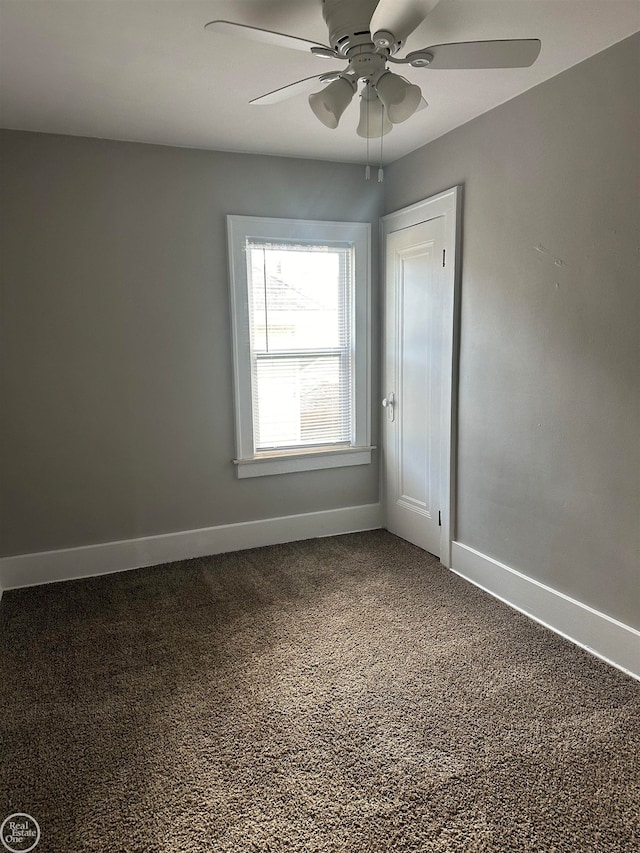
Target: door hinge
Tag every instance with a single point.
(444, 254)
(439, 518)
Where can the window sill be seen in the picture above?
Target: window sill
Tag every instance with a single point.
(289, 461)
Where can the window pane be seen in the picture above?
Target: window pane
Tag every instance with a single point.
(299, 296)
(302, 401)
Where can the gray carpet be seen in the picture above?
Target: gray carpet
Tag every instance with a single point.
(345, 694)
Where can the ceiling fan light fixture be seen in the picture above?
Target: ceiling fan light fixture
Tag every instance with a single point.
(329, 104)
(400, 98)
(374, 121)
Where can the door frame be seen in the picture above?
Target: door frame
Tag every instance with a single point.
(447, 204)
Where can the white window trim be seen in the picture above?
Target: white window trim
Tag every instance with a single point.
(248, 462)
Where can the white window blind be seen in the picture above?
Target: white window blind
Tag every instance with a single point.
(300, 316)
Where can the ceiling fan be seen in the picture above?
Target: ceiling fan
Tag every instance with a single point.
(367, 34)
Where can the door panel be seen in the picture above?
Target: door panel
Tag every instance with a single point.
(413, 375)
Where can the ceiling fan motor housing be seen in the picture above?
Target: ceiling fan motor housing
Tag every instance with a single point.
(348, 22)
(366, 64)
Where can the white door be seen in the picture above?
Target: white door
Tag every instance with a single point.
(416, 307)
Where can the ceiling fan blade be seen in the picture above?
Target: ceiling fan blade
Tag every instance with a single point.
(507, 53)
(299, 88)
(400, 17)
(228, 28)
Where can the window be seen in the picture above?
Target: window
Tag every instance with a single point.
(300, 310)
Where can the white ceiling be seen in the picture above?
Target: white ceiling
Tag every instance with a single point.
(146, 70)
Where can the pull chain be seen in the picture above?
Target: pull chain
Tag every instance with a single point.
(380, 172)
(367, 168)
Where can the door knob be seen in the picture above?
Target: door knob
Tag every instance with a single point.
(389, 404)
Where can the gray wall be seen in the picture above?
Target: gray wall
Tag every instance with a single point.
(117, 417)
(549, 413)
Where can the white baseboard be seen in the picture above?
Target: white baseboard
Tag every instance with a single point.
(603, 636)
(87, 561)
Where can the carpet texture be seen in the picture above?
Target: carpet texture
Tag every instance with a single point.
(342, 695)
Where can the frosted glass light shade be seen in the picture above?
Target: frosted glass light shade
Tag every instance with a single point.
(400, 98)
(374, 122)
(329, 104)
